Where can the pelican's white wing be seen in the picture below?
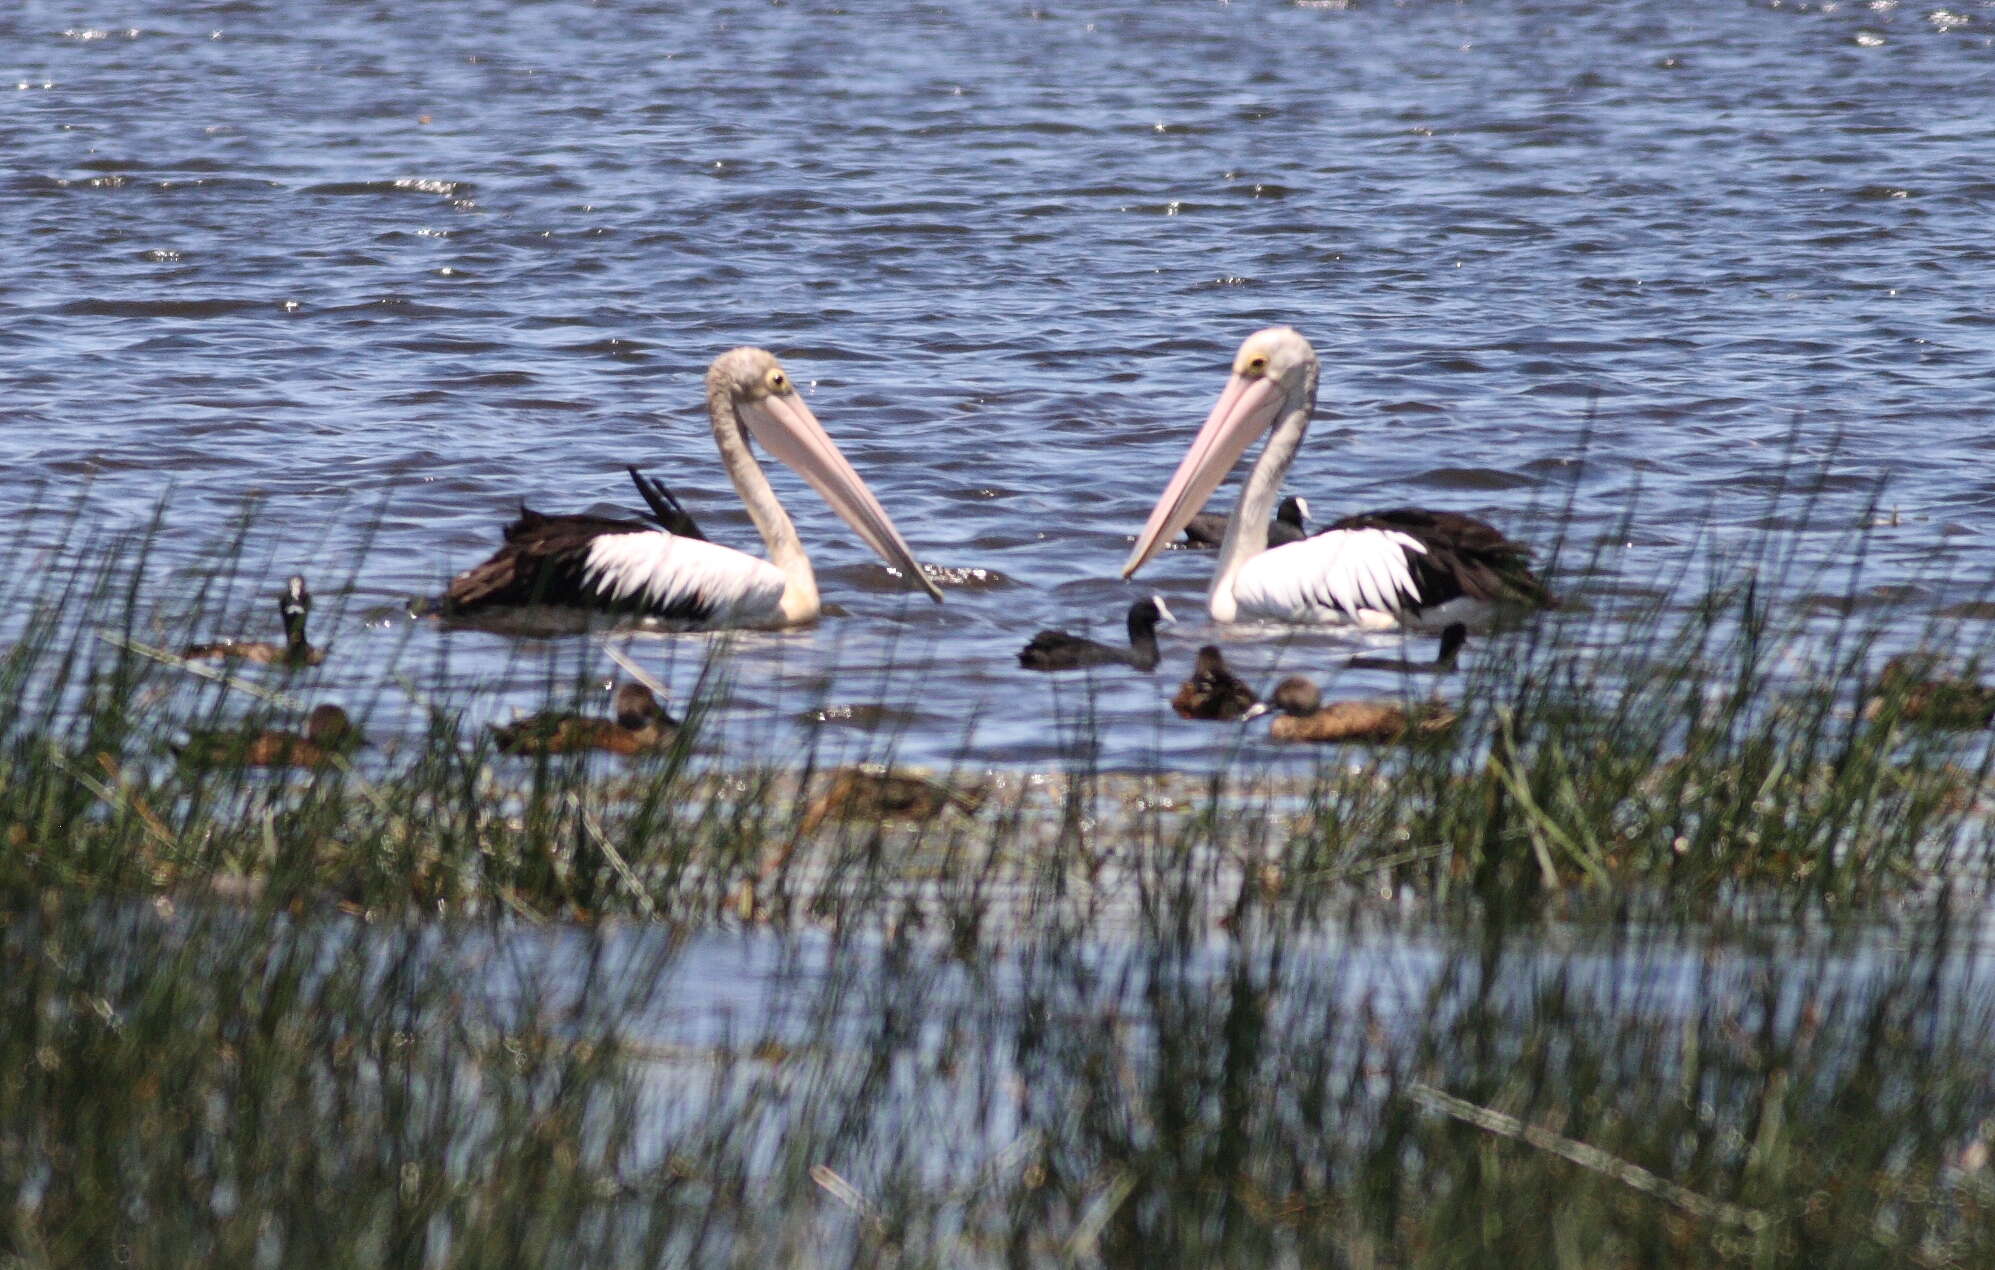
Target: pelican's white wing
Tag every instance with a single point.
(687, 578)
(1361, 577)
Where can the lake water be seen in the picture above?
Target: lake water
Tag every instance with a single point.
(414, 264)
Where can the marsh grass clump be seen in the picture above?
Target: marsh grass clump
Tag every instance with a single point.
(1624, 1104)
(1722, 744)
(1668, 955)
(1712, 753)
(214, 1085)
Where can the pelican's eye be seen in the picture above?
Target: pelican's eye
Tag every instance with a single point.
(1254, 367)
(778, 382)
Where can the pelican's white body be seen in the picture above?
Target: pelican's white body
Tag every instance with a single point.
(666, 572)
(1341, 577)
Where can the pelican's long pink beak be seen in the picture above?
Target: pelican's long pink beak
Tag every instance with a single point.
(1245, 410)
(785, 427)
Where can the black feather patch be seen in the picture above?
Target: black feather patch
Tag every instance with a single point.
(545, 560)
(1464, 557)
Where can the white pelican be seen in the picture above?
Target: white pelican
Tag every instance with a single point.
(1378, 569)
(628, 566)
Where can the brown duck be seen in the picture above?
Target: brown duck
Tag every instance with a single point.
(1213, 691)
(1303, 716)
(328, 732)
(856, 793)
(641, 725)
(295, 604)
(1914, 689)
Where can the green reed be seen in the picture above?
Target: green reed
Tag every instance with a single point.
(1724, 744)
(1670, 960)
(215, 1083)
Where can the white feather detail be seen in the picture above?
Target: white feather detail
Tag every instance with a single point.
(1345, 577)
(670, 572)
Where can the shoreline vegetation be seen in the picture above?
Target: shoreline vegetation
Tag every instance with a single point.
(1674, 960)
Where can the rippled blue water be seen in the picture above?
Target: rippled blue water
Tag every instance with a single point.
(420, 262)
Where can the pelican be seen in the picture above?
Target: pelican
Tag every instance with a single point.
(629, 566)
(1379, 569)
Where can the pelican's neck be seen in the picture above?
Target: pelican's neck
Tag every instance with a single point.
(1247, 532)
(779, 533)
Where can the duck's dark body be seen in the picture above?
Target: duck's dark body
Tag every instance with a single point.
(1452, 638)
(1208, 529)
(328, 732)
(1917, 688)
(641, 724)
(295, 604)
(856, 794)
(1302, 716)
(1213, 691)
(1057, 650)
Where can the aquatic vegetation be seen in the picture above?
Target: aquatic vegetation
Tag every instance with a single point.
(1704, 764)
(1673, 958)
(183, 1084)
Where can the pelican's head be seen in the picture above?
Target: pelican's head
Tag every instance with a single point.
(748, 374)
(1278, 353)
(750, 385)
(1273, 373)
